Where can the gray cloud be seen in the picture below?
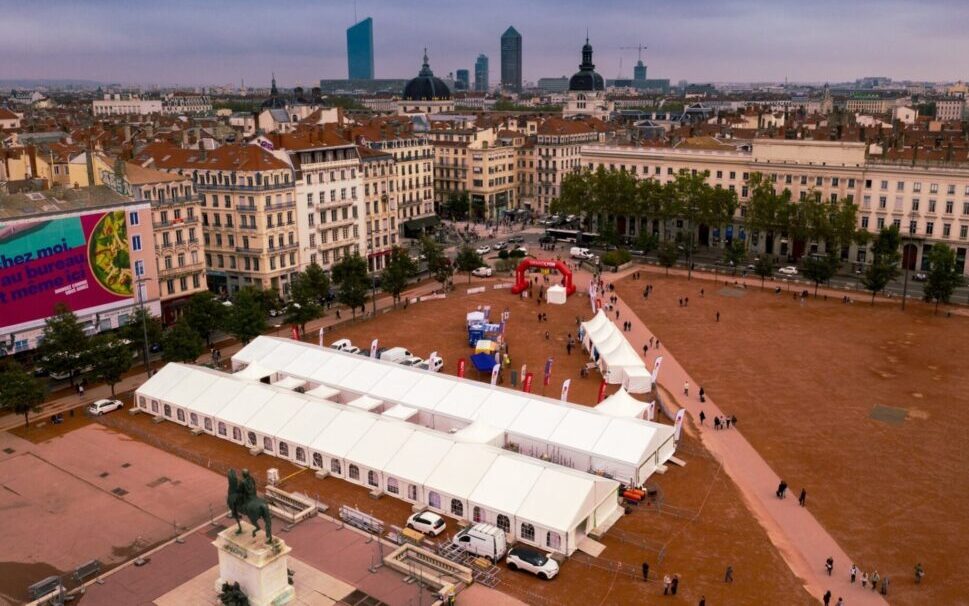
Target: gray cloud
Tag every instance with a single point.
(220, 41)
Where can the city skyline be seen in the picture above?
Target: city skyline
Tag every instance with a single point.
(110, 41)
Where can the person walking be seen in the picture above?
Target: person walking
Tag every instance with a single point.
(919, 573)
(645, 349)
(703, 601)
(864, 580)
(686, 388)
(675, 584)
(874, 578)
(826, 598)
(666, 584)
(841, 601)
(646, 571)
(853, 572)
(726, 421)
(728, 575)
(716, 423)
(885, 585)
(80, 391)
(718, 316)
(781, 489)
(801, 500)
(829, 565)
(703, 417)
(702, 393)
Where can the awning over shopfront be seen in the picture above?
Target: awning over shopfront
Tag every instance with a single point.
(417, 227)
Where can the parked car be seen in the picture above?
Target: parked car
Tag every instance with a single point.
(342, 345)
(482, 272)
(920, 277)
(101, 407)
(501, 245)
(516, 239)
(529, 559)
(483, 250)
(434, 364)
(427, 522)
(482, 540)
(570, 218)
(523, 250)
(577, 252)
(411, 361)
(395, 354)
(789, 270)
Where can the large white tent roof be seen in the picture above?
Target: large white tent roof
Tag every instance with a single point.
(276, 412)
(219, 394)
(248, 401)
(579, 429)
(342, 433)
(543, 506)
(506, 484)
(461, 470)
(162, 381)
(303, 428)
(418, 456)
(377, 447)
(621, 404)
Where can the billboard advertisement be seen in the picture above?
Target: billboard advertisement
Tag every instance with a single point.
(81, 261)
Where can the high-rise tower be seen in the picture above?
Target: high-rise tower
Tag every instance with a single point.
(511, 60)
(360, 50)
(481, 74)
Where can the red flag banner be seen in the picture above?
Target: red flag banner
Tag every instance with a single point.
(461, 364)
(527, 383)
(295, 333)
(602, 392)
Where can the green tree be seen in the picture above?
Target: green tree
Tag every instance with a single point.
(477, 208)
(885, 258)
(20, 392)
(646, 242)
(607, 231)
(110, 359)
(304, 303)
(820, 268)
(246, 319)
(135, 331)
(182, 343)
(316, 283)
(767, 210)
(205, 314)
(64, 346)
(457, 205)
(734, 254)
(764, 267)
(943, 277)
(468, 260)
(437, 263)
(669, 252)
(397, 273)
(350, 274)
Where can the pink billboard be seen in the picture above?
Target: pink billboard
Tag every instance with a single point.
(82, 261)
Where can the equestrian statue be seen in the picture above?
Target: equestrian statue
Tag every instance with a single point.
(243, 501)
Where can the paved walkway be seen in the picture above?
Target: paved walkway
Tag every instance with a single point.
(799, 537)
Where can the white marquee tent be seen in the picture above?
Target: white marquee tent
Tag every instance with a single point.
(537, 502)
(621, 404)
(618, 361)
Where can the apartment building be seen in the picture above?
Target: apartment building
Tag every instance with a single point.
(329, 192)
(557, 153)
(380, 205)
(414, 175)
(174, 104)
(950, 108)
(492, 176)
(177, 231)
(874, 103)
(927, 200)
(248, 206)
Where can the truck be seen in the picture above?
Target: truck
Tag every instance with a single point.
(395, 354)
(483, 540)
(577, 252)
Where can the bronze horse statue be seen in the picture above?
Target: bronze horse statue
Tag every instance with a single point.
(243, 501)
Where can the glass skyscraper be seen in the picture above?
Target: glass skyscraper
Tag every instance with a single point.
(481, 74)
(360, 50)
(511, 60)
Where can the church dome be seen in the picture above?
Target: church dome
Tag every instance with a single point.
(426, 87)
(586, 79)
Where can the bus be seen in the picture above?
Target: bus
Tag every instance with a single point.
(572, 236)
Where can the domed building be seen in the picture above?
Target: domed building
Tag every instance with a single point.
(587, 90)
(425, 94)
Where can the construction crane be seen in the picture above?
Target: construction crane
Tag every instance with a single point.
(641, 47)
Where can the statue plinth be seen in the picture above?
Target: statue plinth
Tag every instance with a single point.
(260, 568)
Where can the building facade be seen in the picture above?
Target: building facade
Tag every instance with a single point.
(380, 205)
(511, 60)
(557, 153)
(481, 74)
(360, 50)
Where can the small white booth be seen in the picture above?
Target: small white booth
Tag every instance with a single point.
(556, 295)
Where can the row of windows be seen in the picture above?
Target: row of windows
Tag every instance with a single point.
(914, 224)
(182, 284)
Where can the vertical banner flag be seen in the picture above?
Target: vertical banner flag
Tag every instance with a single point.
(650, 411)
(431, 357)
(461, 364)
(295, 332)
(602, 392)
(548, 371)
(373, 348)
(659, 360)
(565, 390)
(678, 424)
(522, 373)
(494, 374)
(527, 383)
(321, 336)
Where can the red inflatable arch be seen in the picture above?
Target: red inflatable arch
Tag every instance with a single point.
(521, 283)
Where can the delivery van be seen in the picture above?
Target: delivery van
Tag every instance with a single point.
(395, 354)
(483, 540)
(578, 252)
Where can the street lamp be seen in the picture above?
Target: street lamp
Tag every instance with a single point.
(144, 322)
(911, 232)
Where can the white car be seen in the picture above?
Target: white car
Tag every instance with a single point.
(411, 361)
(529, 559)
(427, 522)
(790, 270)
(482, 272)
(353, 349)
(102, 407)
(341, 345)
(483, 250)
(434, 364)
(523, 250)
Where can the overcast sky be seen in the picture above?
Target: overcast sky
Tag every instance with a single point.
(223, 41)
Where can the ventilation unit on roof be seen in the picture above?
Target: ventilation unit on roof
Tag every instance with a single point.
(35, 196)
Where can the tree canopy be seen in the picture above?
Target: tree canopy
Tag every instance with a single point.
(943, 277)
(205, 314)
(398, 271)
(884, 264)
(64, 345)
(468, 260)
(246, 318)
(181, 343)
(820, 268)
(110, 359)
(20, 392)
(350, 274)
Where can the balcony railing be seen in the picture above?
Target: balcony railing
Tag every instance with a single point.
(283, 248)
(229, 187)
(189, 268)
(174, 222)
(281, 205)
(248, 250)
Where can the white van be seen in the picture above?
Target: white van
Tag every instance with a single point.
(395, 354)
(483, 540)
(578, 252)
(434, 364)
(342, 345)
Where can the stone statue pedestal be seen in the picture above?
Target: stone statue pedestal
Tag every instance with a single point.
(258, 567)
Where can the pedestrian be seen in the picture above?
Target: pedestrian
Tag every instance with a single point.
(702, 393)
(539, 316)
(841, 601)
(826, 598)
(645, 571)
(864, 580)
(703, 417)
(733, 419)
(885, 585)
(701, 292)
(338, 314)
(657, 343)
(617, 314)
(781, 489)
(675, 584)
(919, 573)
(874, 578)
(681, 301)
(800, 501)
(568, 348)
(645, 349)
(666, 584)
(726, 421)
(546, 335)
(651, 341)
(716, 423)
(718, 316)
(853, 572)
(686, 301)
(703, 601)
(80, 391)
(728, 575)
(829, 565)
(686, 388)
